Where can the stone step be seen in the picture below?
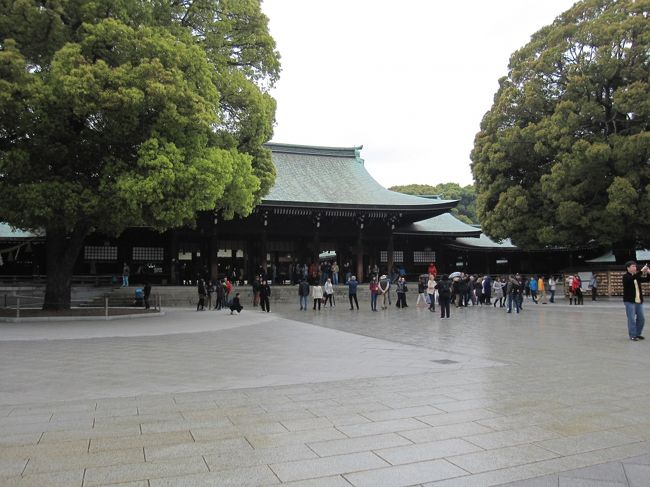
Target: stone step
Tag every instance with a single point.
(187, 296)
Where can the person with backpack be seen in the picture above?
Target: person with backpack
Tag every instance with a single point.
(444, 296)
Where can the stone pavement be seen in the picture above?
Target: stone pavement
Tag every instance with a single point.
(554, 396)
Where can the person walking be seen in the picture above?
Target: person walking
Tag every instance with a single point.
(497, 289)
(633, 299)
(303, 293)
(431, 291)
(352, 292)
(374, 292)
(422, 295)
(444, 296)
(265, 294)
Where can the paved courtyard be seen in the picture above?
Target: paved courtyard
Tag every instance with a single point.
(555, 396)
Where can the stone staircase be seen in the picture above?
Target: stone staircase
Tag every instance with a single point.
(187, 296)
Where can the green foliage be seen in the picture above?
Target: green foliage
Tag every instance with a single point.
(466, 209)
(118, 113)
(130, 112)
(563, 155)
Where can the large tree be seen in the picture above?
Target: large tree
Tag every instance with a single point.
(466, 209)
(563, 155)
(118, 113)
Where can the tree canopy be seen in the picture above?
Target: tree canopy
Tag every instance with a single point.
(466, 209)
(563, 155)
(118, 113)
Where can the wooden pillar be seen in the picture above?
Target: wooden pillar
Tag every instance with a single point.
(212, 255)
(360, 255)
(173, 261)
(389, 260)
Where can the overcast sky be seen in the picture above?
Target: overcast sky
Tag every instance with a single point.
(408, 80)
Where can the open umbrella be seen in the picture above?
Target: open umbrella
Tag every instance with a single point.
(454, 274)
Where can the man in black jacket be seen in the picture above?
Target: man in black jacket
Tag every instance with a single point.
(633, 298)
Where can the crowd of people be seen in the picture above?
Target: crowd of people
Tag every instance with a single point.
(448, 290)
(455, 290)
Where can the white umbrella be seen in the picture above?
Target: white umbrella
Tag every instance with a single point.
(454, 274)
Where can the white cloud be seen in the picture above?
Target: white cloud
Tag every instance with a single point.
(409, 80)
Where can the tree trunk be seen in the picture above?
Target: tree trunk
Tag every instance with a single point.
(62, 249)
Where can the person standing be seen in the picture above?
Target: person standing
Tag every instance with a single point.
(551, 287)
(487, 290)
(147, 293)
(431, 291)
(220, 293)
(126, 270)
(374, 292)
(256, 291)
(201, 290)
(444, 296)
(633, 299)
(541, 289)
(422, 295)
(593, 285)
(352, 291)
(577, 287)
(329, 292)
(335, 273)
(533, 288)
(513, 292)
(303, 293)
(401, 292)
(317, 294)
(384, 290)
(265, 294)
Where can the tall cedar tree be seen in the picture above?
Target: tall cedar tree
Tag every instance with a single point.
(118, 113)
(563, 155)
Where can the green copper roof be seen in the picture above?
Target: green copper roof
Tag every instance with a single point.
(485, 242)
(441, 225)
(322, 177)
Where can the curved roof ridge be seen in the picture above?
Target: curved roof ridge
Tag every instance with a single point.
(310, 176)
(314, 149)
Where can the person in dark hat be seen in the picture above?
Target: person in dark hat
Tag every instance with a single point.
(633, 298)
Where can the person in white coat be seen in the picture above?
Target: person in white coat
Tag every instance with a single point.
(317, 295)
